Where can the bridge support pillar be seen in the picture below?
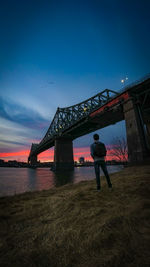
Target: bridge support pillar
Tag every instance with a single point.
(63, 154)
(148, 134)
(33, 160)
(135, 133)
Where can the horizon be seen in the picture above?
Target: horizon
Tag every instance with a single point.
(48, 155)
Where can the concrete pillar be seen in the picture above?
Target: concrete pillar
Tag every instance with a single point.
(33, 160)
(135, 132)
(63, 154)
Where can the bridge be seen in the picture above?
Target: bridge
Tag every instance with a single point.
(108, 107)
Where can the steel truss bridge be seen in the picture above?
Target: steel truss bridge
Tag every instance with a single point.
(67, 118)
(99, 111)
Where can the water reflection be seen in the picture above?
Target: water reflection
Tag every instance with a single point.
(20, 180)
(40, 179)
(31, 178)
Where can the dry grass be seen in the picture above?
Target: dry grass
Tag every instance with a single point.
(76, 226)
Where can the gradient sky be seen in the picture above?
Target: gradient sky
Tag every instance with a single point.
(59, 53)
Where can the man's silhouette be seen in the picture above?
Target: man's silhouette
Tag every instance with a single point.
(98, 153)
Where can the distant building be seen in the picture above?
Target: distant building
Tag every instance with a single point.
(81, 160)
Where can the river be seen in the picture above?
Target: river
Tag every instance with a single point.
(20, 180)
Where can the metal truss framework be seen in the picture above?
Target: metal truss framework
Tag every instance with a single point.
(67, 117)
(143, 98)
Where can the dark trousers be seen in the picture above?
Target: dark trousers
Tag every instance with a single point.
(97, 165)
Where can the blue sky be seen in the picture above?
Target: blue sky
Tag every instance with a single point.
(59, 53)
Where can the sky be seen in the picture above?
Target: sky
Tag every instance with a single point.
(59, 53)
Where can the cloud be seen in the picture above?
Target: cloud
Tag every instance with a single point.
(19, 114)
(19, 126)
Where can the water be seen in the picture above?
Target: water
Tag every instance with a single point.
(20, 180)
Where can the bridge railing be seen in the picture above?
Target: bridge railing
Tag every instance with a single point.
(127, 87)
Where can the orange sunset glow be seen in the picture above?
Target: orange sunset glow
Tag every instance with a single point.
(48, 155)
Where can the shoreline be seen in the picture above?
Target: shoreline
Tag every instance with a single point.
(76, 165)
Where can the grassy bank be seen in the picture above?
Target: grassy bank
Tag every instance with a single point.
(77, 226)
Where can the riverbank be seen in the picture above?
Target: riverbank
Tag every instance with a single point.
(74, 225)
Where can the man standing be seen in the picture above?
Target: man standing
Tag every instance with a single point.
(98, 153)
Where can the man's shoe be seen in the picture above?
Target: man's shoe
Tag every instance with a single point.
(110, 189)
